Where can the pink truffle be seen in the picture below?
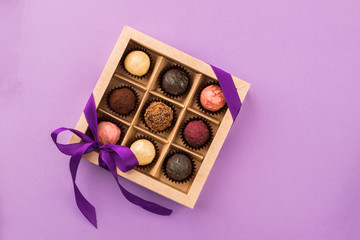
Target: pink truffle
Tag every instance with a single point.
(212, 98)
(108, 133)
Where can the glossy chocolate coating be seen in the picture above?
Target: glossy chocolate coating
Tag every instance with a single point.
(178, 167)
(158, 116)
(122, 101)
(175, 82)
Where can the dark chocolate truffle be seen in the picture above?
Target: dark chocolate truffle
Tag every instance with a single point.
(196, 133)
(158, 116)
(175, 82)
(122, 101)
(178, 167)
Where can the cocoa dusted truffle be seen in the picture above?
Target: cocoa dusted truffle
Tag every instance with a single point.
(158, 116)
(108, 133)
(137, 63)
(196, 133)
(122, 101)
(175, 82)
(178, 167)
(212, 98)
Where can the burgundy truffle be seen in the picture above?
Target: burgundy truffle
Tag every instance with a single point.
(196, 133)
(212, 98)
(122, 101)
(108, 133)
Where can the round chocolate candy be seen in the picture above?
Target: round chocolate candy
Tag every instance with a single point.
(158, 116)
(144, 151)
(137, 63)
(122, 101)
(108, 133)
(196, 133)
(175, 82)
(178, 167)
(212, 98)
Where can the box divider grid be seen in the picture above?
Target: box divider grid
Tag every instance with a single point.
(142, 102)
(127, 80)
(196, 82)
(115, 75)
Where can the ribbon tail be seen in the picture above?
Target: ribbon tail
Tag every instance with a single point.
(147, 205)
(85, 207)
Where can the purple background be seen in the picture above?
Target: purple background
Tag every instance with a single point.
(289, 168)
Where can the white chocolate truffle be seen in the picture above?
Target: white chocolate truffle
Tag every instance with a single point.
(108, 133)
(137, 63)
(144, 151)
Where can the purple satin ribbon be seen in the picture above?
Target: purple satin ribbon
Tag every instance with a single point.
(110, 156)
(230, 93)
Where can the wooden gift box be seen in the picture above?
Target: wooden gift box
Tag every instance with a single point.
(163, 56)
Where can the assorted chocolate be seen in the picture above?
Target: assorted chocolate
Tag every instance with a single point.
(137, 63)
(196, 133)
(178, 167)
(144, 151)
(159, 115)
(212, 98)
(174, 81)
(108, 133)
(122, 100)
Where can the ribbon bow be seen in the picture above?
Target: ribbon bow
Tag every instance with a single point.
(110, 156)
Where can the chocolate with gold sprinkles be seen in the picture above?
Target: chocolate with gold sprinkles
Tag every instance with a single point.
(158, 116)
